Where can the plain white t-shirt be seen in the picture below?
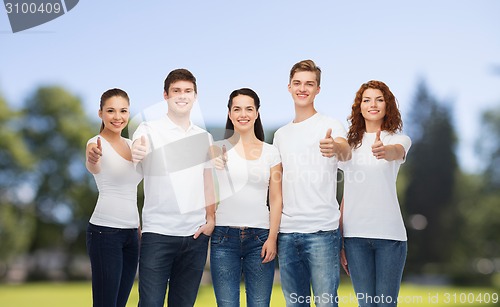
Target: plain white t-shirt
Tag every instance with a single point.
(309, 179)
(117, 185)
(243, 187)
(371, 207)
(174, 196)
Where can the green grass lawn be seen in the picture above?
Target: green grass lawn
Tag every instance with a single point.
(79, 295)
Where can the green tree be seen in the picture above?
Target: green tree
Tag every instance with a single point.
(16, 212)
(56, 129)
(431, 173)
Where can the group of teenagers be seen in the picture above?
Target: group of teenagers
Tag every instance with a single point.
(252, 202)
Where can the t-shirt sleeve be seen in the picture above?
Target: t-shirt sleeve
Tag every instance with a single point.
(274, 156)
(92, 140)
(143, 129)
(402, 140)
(276, 139)
(338, 129)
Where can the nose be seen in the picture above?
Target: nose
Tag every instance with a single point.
(302, 87)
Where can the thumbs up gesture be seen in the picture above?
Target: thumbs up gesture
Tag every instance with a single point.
(139, 149)
(327, 146)
(94, 152)
(220, 158)
(378, 148)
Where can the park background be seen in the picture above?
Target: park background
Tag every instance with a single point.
(440, 58)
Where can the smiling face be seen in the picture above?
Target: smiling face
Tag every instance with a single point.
(243, 113)
(373, 106)
(115, 114)
(180, 98)
(304, 88)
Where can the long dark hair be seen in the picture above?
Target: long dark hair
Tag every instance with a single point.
(108, 94)
(257, 128)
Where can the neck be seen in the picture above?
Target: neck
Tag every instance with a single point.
(246, 137)
(110, 136)
(372, 126)
(182, 121)
(303, 113)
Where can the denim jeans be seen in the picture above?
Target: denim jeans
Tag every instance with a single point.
(113, 256)
(234, 252)
(309, 259)
(174, 261)
(376, 268)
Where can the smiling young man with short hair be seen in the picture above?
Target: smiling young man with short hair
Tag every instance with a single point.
(309, 241)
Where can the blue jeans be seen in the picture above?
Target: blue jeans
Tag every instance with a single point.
(174, 261)
(376, 268)
(307, 259)
(233, 252)
(113, 256)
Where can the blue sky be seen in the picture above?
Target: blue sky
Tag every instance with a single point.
(453, 45)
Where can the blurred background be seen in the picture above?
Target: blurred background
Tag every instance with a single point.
(441, 60)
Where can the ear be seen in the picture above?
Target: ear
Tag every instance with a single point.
(99, 113)
(165, 95)
(289, 88)
(319, 90)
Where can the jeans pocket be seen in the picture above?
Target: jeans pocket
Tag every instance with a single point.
(262, 236)
(217, 239)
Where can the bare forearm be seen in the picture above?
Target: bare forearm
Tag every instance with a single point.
(394, 152)
(342, 149)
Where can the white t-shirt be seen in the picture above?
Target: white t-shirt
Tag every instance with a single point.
(117, 185)
(309, 179)
(371, 207)
(243, 187)
(174, 197)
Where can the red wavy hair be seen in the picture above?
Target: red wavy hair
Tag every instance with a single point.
(392, 119)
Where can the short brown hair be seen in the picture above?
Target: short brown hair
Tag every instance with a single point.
(180, 74)
(306, 65)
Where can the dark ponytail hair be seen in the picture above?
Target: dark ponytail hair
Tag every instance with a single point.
(258, 129)
(109, 94)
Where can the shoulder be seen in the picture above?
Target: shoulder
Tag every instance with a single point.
(92, 140)
(271, 149)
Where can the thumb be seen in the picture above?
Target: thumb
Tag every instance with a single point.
(143, 140)
(377, 138)
(328, 133)
(99, 143)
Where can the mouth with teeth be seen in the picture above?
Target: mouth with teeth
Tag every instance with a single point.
(243, 121)
(117, 124)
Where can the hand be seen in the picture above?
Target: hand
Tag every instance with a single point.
(205, 229)
(94, 152)
(269, 249)
(378, 148)
(327, 146)
(139, 149)
(220, 161)
(343, 261)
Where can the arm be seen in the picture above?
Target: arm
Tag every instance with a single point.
(338, 147)
(269, 249)
(209, 189)
(93, 157)
(342, 149)
(343, 258)
(387, 152)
